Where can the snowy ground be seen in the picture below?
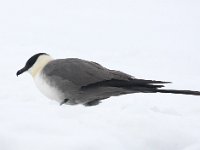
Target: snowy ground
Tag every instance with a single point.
(148, 39)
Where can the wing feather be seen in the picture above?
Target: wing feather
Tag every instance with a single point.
(81, 72)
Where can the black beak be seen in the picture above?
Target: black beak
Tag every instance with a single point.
(21, 71)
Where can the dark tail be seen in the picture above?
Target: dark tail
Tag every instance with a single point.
(186, 92)
(139, 85)
(156, 87)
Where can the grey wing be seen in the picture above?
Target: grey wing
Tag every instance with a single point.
(88, 82)
(82, 72)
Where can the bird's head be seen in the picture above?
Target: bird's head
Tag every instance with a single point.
(35, 64)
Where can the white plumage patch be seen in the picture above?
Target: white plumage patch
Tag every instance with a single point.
(42, 83)
(41, 62)
(48, 89)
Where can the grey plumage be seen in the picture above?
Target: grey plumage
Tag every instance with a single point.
(85, 82)
(72, 75)
(76, 81)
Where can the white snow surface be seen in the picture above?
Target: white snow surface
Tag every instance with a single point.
(148, 39)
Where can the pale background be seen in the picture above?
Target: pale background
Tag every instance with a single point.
(151, 39)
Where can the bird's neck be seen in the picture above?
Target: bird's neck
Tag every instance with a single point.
(41, 62)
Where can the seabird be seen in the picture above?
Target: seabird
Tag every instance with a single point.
(75, 81)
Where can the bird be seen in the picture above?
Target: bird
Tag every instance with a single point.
(75, 81)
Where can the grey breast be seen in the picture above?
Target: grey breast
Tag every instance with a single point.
(72, 75)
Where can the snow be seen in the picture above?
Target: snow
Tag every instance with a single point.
(147, 39)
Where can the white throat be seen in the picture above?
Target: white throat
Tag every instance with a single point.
(40, 63)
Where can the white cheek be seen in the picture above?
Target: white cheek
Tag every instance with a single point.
(49, 91)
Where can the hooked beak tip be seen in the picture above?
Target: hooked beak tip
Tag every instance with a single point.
(17, 74)
(20, 71)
